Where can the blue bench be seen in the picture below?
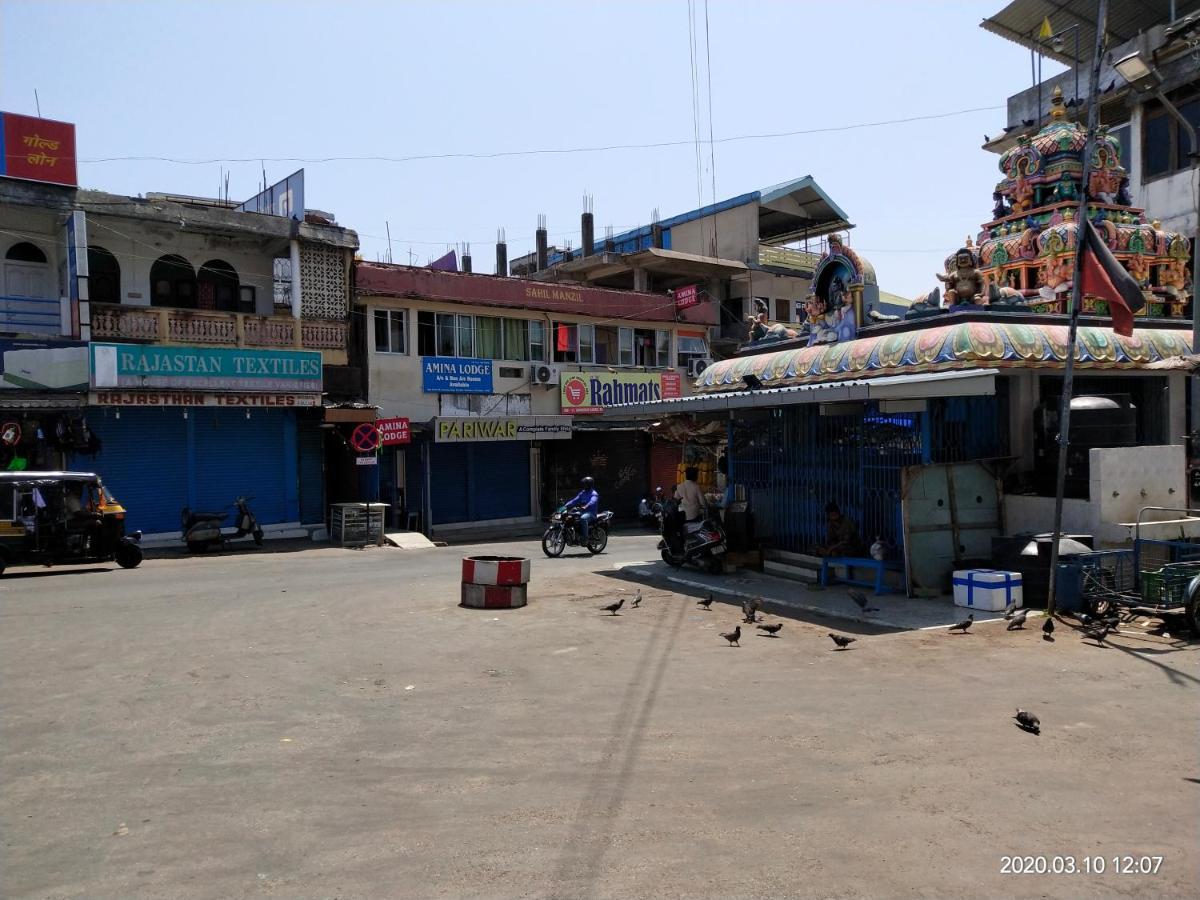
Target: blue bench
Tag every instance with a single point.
(850, 563)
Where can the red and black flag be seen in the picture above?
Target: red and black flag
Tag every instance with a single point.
(1100, 275)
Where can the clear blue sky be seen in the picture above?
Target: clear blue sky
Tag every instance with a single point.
(210, 80)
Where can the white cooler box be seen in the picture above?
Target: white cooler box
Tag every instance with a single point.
(987, 589)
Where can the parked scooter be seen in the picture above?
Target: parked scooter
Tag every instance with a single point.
(202, 530)
(650, 510)
(701, 542)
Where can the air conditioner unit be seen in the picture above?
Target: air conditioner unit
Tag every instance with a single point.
(541, 373)
(696, 367)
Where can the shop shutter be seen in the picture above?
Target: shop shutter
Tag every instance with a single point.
(247, 457)
(143, 461)
(616, 459)
(500, 480)
(449, 483)
(311, 443)
(665, 457)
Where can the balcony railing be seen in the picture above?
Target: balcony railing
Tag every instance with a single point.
(787, 258)
(182, 326)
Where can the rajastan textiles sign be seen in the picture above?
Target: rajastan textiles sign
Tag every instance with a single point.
(460, 429)
(586, 393)
(37, 149)
(204, 368)
(448, 375)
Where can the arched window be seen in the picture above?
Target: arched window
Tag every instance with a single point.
(25, 252)
(218, 286)
(104, 276)
(173, 283)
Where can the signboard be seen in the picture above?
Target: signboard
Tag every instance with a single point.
(284, 198)
(44, 365)
(460, 429)
(77, 259)
(201, 398)
(394, 431)
(449, 375)
(587, 393)
(37, 149)
(366, 460)
(205, 368)
(687, 296)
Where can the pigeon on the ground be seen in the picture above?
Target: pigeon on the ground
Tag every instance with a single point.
(841, 640)
(964, 624)
(733, 636)
(706, 602)
(1010, 610)
(772, 630)
(1028, 721)
(860, 600)
(637, 601)
(613, 607)
(1018, 621)
(750, 609)
(1048, 630)
(1097, 633)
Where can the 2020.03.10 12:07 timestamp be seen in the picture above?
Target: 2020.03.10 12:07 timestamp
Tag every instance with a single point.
(1127, 864)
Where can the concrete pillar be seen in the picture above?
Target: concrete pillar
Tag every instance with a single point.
(641, 279)
(1176, 401)
(1023, 398)
(295, 279)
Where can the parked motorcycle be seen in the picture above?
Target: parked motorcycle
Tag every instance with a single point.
(564, 531)
(202, 530)
(701, 542)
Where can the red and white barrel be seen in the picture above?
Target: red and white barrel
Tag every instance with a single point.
(494, 582)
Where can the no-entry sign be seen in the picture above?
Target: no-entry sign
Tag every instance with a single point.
(365, 438)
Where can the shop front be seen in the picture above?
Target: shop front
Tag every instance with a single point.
(484, 469)
(43, 392)
(617, 456)
(188, 426)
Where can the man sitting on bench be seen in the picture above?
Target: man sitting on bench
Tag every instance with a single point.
(842, 537)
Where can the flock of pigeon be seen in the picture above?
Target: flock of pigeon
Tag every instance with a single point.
(1095, 628)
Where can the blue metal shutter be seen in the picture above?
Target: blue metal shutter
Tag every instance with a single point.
(500, 480)
(311, 442)
(253, 457)
(143, 461)
(449, 483)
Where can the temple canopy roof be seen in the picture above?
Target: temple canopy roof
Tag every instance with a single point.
(958, 345)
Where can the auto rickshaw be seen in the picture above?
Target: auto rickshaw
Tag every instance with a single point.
(64, 518)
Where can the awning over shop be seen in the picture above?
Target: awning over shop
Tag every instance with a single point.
(42, 401)
(969, 383)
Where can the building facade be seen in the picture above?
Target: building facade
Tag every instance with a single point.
(503, 381)
(185, 349)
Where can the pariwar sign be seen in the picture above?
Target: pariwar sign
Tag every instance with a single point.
(37, 149)
(687, 296)
(588, 393)
(448, 375)
(461, 429)
(394, 431)
(142, 366)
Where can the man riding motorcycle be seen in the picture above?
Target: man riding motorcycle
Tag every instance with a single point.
(588, 502)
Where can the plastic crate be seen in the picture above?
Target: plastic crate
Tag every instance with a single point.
(1165, 586)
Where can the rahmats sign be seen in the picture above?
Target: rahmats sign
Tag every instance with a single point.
(588, 393)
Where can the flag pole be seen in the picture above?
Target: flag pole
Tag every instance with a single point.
(1064, 414)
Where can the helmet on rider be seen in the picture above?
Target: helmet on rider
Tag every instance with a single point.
(588, 483)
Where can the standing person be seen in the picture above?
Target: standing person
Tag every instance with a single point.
(589, 502)
(842, 537)
(689, 495)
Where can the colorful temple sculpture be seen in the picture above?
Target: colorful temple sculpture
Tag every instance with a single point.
(1025, 254)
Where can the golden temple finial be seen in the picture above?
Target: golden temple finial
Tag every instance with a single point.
(970, 245)
(1156, 225)
(1069, 214)
(1057, 111)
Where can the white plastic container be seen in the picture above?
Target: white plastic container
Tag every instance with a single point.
(991, 590)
